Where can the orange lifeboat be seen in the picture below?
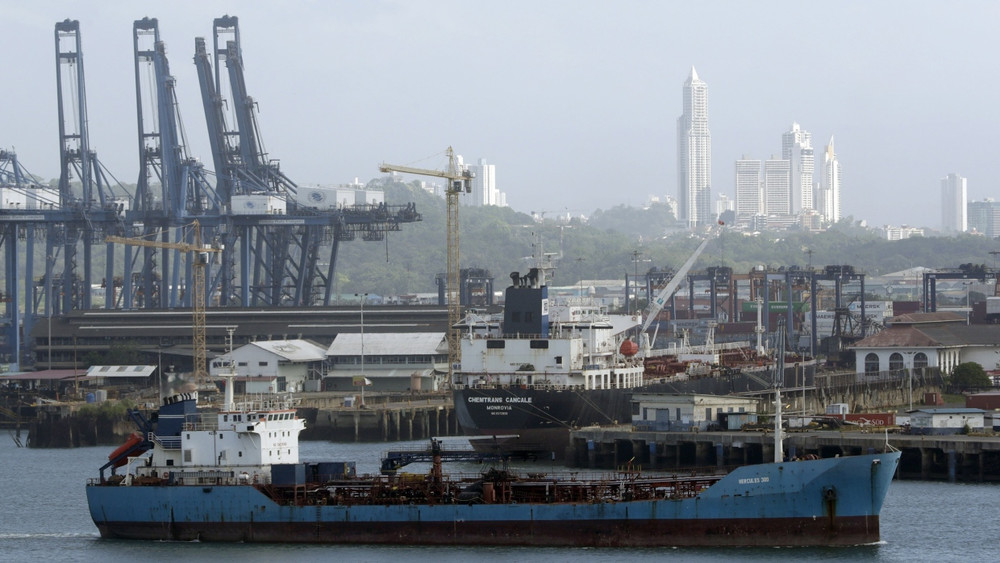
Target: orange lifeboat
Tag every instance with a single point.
(629, 348)
(134, 439)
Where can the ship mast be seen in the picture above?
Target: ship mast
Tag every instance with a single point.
(229, 375)
(779, 375)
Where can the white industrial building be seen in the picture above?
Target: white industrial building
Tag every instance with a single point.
(935, 340)
(391, 361)
(273, 366)
(661, 411)
(946, 420)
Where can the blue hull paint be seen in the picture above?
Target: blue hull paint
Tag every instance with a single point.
(815, 502)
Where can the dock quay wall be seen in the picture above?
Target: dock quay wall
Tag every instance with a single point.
(383, 418)
(413, 418)
(952, 458)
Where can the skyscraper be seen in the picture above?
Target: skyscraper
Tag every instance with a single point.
(796, 148)
(984, 217)
(694, 155)
(749, 197)
(829, 190)
(954, 214)
(777, 187)
(484, 186)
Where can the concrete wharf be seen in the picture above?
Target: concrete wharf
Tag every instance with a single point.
(383, 418)
(953, 458)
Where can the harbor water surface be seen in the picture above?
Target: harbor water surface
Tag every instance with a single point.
(45, 518)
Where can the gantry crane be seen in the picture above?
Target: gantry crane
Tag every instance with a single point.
(198, 288)
(459, 180)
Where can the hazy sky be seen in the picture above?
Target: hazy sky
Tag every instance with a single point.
(575, 102)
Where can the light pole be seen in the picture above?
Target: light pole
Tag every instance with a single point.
(579, 261)
(909, 377)
(968, 304)
(635, 278)
(364, 297)
(48, 304)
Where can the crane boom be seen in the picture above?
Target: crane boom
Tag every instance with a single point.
(420, 171)
(661, 298)
(459, 181)
(198, 289)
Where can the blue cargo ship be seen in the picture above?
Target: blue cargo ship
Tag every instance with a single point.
(235, 475)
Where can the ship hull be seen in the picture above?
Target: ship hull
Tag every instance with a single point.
(527, 407)
(539, 418)
(844, 531)
(833, 501)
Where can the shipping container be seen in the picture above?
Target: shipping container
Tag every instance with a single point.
(288, 473)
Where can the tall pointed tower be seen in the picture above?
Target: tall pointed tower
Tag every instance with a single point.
(830, 186)
(796, 148)
(694, 155)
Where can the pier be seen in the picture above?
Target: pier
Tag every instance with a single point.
(382, 419)
(952, 458)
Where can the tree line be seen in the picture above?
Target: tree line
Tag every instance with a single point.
(616, 242)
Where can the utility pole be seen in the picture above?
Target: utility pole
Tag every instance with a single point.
(635, 278)
(364, 380)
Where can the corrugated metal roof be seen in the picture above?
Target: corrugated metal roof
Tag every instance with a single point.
(933, 336)
(898, 337)
(120, 371)
(49, 374)
(952, 410)
(389, 344)
(937, 317)
(293, 350)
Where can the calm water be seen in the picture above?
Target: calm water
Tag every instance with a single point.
(44, 518)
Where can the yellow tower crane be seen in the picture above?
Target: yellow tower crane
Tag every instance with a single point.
(459, 180)
(198, 291)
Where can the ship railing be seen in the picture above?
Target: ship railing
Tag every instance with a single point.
(546, 386)
(515, 336)
(535, 386)
(265, 402)
(168, 442)
(213, 477)
(201, 422)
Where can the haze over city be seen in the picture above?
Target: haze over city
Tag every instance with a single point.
(576, 103)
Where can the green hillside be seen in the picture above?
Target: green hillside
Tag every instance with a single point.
(501, 239)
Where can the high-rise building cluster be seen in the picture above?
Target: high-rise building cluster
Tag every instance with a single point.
(959, 215)
(484, 186)
(775, 193)
(780, 192)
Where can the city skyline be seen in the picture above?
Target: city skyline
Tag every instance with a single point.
(781, 192)
(576, 101)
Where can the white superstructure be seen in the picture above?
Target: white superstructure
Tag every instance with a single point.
(581, 350)
(239, 443)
